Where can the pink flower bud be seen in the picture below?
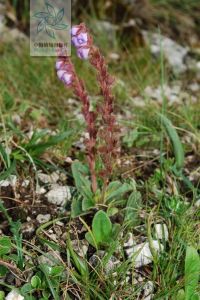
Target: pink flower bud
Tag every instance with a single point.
(83, 53)
(80, 40)
(59, 63)
(75, 29)
(75, 42)
(60, 74)
(65, 77)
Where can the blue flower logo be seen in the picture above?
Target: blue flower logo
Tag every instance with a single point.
(50, 21)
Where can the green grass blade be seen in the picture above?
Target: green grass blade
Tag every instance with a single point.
(175, 140)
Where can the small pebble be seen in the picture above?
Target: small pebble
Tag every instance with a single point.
(40, 190)
(51, 258)
(95, 259)
(148, 288)
(43, 218)
(45, 178)
(14, 295)
(25, 183)
(12, 180)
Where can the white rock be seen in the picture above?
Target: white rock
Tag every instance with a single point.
(142, 255)
(198, 65)
(40, 190)
(173, 52)
(150, 297)
(25, 183)
(130, 242)
(11, 180)
(197, 203)
(69, 160)
(16, 119)
(54, 177)
(194, 87)
(59, 195)
(43, 218)
(173, 94)
(161, 232)
(45, 178)
(110, 266)
(138, 101)
(148, 289)
(14, 295)
(4, 183)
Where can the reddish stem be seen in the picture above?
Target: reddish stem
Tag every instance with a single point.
(89, 116)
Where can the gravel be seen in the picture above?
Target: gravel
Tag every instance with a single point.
(59, 195)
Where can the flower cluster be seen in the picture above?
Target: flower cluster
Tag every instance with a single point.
(64, 69)
(107, 131)
(66, 72)
(81, 40)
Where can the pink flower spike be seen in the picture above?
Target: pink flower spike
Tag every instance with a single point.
(83, 53)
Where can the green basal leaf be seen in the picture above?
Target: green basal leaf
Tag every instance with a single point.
(90, 239)
(5, 245)
(115, 231)
(83, 185)
(132, 207)
(3, 271)
(116, 190)
(87, 204)
(57, 271)
(175, 140)
(101, 227)
(111, 211)
(9, 171)
(26, 288)
(37, 147)
(45, 269)
(79, 263)
(36, 281)
(192, 272)
(76, 207)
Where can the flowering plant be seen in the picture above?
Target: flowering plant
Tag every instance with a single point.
(107, 132)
